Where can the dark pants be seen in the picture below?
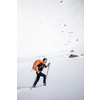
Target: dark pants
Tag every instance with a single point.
(38, 77)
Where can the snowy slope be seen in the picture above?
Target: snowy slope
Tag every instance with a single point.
(49, 29)
(49, 25)
(65, 76)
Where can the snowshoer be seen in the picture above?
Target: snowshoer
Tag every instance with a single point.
(39, 73)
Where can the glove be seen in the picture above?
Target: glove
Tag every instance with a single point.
(48, 64)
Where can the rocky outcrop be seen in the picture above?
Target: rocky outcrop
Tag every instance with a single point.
(73, 56)
(82, 54)
(72, 51)
(76, 39)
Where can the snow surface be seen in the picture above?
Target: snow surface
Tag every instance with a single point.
(49, 29)
(65, 75)
(41, 25)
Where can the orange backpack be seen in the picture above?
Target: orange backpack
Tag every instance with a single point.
(36, 63)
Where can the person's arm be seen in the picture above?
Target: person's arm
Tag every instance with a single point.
(48, 65)
(37, 69)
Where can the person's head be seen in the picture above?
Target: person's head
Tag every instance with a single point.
(44, 60)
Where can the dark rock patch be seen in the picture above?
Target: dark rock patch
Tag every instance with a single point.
(64, 24)
(71, 31)
(72, 51)
(73, 56)
(82, 54)
(61, 1)
(76, 39)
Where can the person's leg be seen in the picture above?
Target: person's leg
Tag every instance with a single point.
(44, 77)
(37, 79)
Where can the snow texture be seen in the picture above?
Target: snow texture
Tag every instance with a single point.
(52, 29)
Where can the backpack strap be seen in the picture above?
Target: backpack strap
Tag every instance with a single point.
(41, 66)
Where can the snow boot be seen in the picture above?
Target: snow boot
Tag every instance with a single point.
(44, 84)
(32, 87)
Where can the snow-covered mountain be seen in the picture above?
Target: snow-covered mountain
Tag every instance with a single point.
(49, 25)
(52, 29)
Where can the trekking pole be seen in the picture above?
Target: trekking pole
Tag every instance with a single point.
(34, 82)
(47, 71)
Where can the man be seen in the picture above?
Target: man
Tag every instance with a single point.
(39, 73)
